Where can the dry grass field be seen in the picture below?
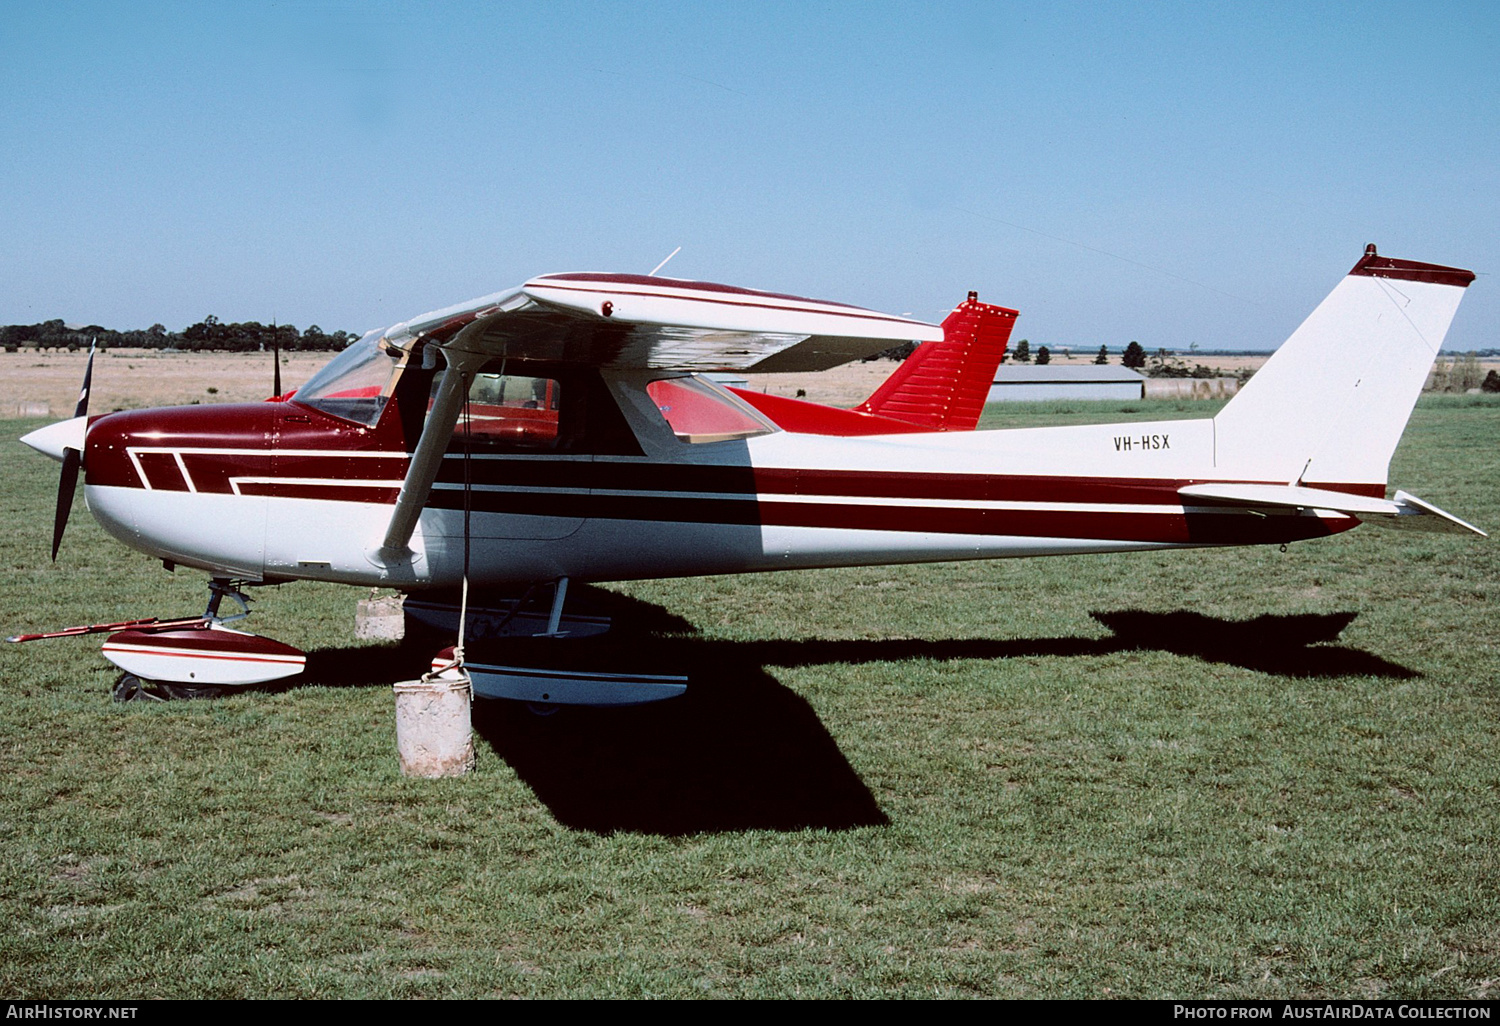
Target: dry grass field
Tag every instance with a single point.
(128, 379)
(133, 378)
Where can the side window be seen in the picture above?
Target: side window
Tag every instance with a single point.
(699, 411)
(513, 411)
(532, 407)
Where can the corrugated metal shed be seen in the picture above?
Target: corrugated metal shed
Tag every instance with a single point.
(1020, 381)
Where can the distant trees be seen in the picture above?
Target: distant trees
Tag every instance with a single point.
(1135, 356)
(1023, 351)
(1043, 356)
(1458, 375)
(208, 334)
(1165, 364)
(1103, 356)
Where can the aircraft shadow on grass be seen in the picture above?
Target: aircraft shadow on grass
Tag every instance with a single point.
(739, 750)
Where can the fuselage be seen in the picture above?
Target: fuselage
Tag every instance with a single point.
(615, 486)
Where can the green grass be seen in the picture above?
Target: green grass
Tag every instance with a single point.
(1270, 774)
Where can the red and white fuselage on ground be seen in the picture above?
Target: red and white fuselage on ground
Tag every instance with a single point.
(294, 490)
(779, 501)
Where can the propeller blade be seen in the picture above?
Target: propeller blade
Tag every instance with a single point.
(276, 360)
(88, 376)
(72, 460)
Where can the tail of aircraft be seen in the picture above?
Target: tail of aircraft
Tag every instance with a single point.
(1328, 408)
(943, 385)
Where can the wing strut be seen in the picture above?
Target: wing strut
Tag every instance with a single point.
(428, 459)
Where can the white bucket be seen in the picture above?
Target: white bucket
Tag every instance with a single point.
(433, 727)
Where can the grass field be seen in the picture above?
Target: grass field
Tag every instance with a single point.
(1238, 773)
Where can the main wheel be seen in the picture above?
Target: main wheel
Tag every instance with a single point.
(130, 688)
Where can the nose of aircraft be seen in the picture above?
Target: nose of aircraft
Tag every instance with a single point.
(54, 438)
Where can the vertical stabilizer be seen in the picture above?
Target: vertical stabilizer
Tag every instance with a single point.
(1329, 406)
(943, 385)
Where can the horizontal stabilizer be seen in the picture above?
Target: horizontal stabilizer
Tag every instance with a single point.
(1289, 496)
(943, 386)
(1405, 510)
(1424, 515)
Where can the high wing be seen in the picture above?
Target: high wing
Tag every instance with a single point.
(640, 321)
(626, 321)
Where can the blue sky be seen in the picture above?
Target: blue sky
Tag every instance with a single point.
(1172, 173)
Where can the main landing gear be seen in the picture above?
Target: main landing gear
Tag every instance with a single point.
(130, 688)
(494, 673)
(200, 657)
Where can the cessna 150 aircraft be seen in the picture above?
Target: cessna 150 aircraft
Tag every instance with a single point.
(564, 430)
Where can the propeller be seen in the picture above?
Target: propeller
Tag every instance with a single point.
(275, 359)
(72, 460)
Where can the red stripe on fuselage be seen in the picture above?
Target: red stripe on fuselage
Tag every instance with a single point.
(1123, 525)
(365, 494)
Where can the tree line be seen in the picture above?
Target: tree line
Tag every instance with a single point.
(208, 335)
(1164, 364)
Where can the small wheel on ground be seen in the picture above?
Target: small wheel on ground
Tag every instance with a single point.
(130, 688)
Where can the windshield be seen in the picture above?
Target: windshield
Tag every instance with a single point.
(356, 383)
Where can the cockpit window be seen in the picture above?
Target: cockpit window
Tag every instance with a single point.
(700, 411)
(357, 383)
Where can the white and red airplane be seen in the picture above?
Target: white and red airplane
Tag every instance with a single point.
(564, 431)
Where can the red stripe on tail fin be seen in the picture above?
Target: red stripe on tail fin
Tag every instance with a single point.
(943, 385)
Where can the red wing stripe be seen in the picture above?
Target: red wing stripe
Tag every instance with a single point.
(682, 283)
(864, 316)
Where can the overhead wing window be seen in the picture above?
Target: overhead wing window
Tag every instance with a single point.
(355, 384)
(700, 411)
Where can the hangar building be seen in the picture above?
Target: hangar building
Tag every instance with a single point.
(1021, 381)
